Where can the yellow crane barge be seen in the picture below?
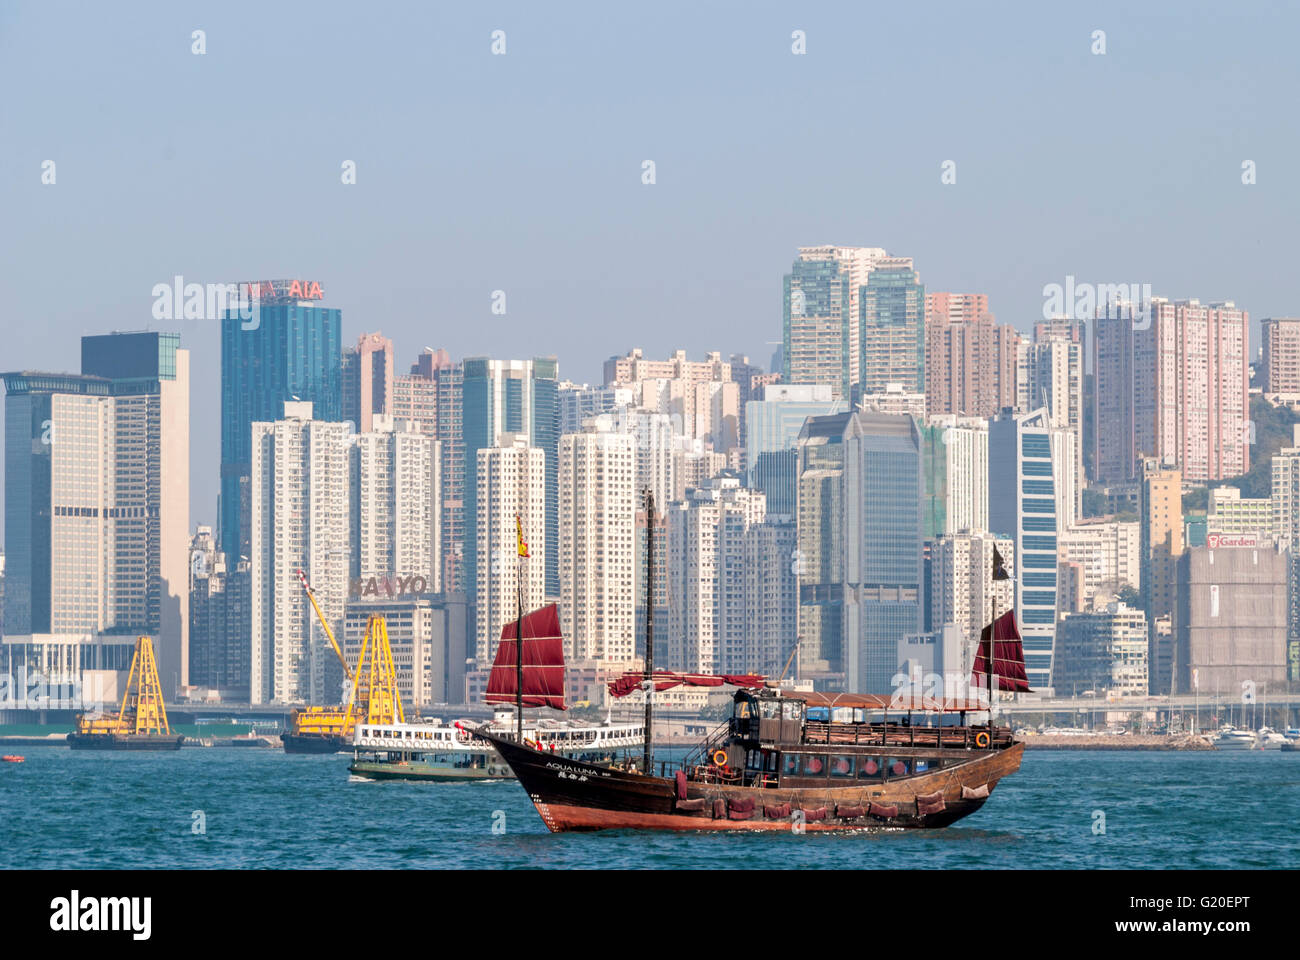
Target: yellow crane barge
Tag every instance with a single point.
(141, 722)
(372, 698)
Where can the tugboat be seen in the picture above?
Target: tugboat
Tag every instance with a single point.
(141, 723)
(793, 761)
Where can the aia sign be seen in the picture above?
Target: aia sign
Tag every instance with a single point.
(285, 289)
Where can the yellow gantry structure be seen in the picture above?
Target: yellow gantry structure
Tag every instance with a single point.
(142, 709)
(373, 697)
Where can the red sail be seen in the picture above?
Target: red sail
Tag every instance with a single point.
(543, 662)
(666, 680)
(1008, 656)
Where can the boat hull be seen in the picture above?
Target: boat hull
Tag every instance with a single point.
(314, 743)
(431, 772)
(573, 795)
(125, 741)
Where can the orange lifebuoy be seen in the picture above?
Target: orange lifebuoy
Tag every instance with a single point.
(719, 758)
(981, 739)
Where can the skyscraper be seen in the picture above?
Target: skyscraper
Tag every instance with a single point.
(300, 519)
(1172, 384)
(962, 592)
(1023, 472)
(292, 351)
(97, 497)
(1280, 357)
(883, 488)
(773, 424)
(707, 535)
(892, 329)
(396, 529)
(219, 619)
(970, 360)
(955, 451)
(367, 376)
(821, 306)
(819, 557)
(520, 398)
(1161, 510)
(511, 483)
(430, 395)
(598, 502)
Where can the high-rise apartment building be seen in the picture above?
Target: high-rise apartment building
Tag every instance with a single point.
(511, 482)
(430, 395)
(1108, 554)
(598, 502)
(707, 535)
(962, 590)
(219, 619)
(300, 514)
(292, 350)
(396, 529)
(822, 316)
(1171, 383)
(970, 361)
(368, 380)
(1280, 356)
(519, 398)
(891, 329)
(1286, 526)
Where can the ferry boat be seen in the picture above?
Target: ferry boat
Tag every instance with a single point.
(434, 751)
(794, 761)
(443, 752)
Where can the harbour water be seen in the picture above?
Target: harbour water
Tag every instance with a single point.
(240, 808)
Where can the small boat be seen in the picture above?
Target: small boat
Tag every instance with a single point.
(1230, 738)
(12, 758)
(1270, 739)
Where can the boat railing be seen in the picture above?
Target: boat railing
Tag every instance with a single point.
(903, 734)
(699, 756)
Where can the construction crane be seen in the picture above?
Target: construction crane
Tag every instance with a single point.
(373, 696)
(311, 595)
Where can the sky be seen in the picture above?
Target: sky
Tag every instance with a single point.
(523, 172)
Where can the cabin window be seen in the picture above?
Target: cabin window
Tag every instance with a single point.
(898, 767)
(769, 710)
(841, 766)
(790, 710)
(870, 768)
(814, 765)
(791, 765)
(742, 709)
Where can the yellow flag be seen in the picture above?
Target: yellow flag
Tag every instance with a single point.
(519, 532)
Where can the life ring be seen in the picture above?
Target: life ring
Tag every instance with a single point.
(981, 739)
(719, 758)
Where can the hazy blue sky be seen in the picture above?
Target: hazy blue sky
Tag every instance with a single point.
(523, 172)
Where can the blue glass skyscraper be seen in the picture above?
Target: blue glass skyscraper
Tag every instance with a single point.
(291, 350)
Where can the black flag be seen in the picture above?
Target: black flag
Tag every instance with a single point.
(999, 566)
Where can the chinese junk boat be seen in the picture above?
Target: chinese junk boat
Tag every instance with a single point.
(821, 761)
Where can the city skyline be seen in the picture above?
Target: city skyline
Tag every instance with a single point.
(1115, 215)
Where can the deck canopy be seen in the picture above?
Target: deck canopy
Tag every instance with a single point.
(666, 679)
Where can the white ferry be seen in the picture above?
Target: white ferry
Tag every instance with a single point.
(433, 750)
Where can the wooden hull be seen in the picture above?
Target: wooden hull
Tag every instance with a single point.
(572, 795)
